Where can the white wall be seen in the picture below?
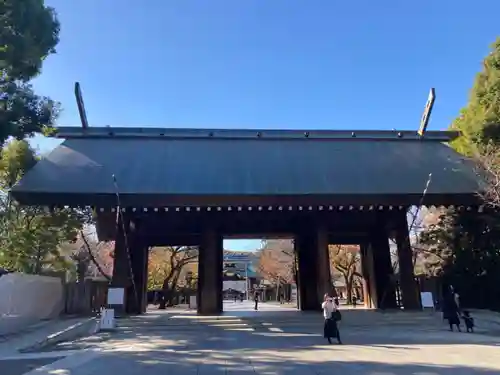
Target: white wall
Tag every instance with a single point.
(27, 299)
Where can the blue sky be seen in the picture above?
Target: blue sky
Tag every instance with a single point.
(266, 64)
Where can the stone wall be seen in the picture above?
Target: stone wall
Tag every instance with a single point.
(28, 299)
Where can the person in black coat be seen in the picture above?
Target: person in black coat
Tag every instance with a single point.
(451, 311)
(256, 300)
(468, 320)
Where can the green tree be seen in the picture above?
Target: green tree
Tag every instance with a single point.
(464, 246)
(479, 121)
(28, 34)
(30, 237)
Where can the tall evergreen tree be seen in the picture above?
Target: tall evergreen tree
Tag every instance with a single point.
(479, 121)
(28, 34)
(467, 244)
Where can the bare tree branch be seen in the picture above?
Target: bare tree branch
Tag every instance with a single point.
(92, 257)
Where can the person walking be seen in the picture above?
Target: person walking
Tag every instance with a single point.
(256, 299)
(331, 315)
(451, 310)
(354, 301)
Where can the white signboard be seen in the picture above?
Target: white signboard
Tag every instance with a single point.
(192, 302)
(427, 300)
(239, 285)
(293, 293)
(116, 296)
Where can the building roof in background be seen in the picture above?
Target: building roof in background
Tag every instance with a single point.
(242, 260)
(240, 256)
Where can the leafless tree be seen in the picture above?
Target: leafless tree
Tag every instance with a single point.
(346, 260)
(488, 168)
(91, 257)
(276, 262)
(171, 261)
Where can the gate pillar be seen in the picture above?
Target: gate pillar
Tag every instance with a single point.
(409, 289)
(314, 280)
(209, 298)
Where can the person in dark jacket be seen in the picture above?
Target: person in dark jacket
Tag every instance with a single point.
(256, 299)
(468, 320)
(451, 311)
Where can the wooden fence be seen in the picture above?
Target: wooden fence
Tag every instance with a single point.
(85, 298)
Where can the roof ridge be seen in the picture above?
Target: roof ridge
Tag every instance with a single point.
(198, 133)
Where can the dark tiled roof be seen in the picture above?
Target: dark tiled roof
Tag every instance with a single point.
(190, 166)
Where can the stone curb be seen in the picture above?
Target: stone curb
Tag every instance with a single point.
(16, 333)
(86, 327)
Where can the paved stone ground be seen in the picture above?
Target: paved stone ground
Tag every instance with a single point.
(229, 348)
(12, 362)
(374, 352)
(30, 334)
(22, 366)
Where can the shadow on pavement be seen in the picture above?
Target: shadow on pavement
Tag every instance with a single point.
(160, 343)
(214, 355)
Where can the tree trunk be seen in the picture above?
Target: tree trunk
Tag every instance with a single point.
(351, 286)
(165, 292)
(348, 287)
(173, 287)
(38, 261)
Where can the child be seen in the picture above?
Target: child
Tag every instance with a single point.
(468, 320)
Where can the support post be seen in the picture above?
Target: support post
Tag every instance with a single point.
(368, 272)
(145, 290)
(209, 298)
(304, 275)
(409, 290)
(136, 294)
(121, 266)
(314, 268)
(323, 276)
(384, 273)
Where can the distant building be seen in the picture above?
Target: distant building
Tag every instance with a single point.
(239, 273)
